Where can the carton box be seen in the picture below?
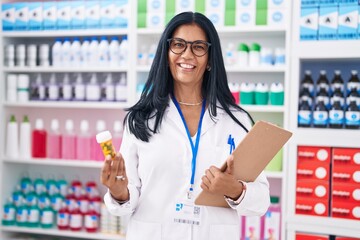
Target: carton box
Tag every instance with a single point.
(63, 15)
(346, 157)
(345, 174)
(49, 15)
(303, 236)
(328, 22)
(344, 192)
(312, 206)
(313, 189)
(312, 171)
(311, 153)
(77, 15)
(343, 209)
(8, 16)
(309, 23)
(35, 15)
(21, 16)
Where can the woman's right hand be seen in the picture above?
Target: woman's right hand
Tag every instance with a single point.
(111, 173)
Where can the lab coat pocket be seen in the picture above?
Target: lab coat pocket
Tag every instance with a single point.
(228, 232)
(143, 230)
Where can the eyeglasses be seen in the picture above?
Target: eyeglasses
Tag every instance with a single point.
(178, 46)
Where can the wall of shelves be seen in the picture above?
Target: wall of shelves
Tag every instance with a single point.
(11, 169)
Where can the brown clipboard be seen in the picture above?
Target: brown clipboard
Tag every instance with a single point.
(251, 156)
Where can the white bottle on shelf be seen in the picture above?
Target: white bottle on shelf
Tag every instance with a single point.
(56, 53)
(114, 52)
(23, 86)
(94, 52)
(108, 89)
(25, 139)
(66, 53)
(11, 82)
(31, 55)
(75, 53)
(12, 138)
(10, 55)
(121, 89)
(104, 52)
(84, 51)
(53, 88)
(93, 91)
(79, 88)
(66, 91)
(44, 55)
(124, 51)
(38, 89)
(20, 55)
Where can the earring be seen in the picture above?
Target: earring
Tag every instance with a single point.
(208, 68)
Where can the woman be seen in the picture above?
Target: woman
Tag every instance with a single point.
(176, 138)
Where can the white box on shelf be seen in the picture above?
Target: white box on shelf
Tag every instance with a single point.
(63, 15)
(276, 17)
(35, 15)
(348, 22)
(77, 15)
(215, 11)
(92, 14)
(21, 16)
(184, 6)
(277, 3)
(122, 14)
(328, 22)
(107, 13)
(49, 15)
(245, 17)
(309, 26)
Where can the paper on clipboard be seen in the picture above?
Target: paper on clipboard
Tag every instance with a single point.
(251, 156)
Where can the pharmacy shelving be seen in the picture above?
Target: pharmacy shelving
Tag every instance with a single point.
(55, 232)
(55, 162)
(69, 105)
(322, 52)
(65, 33)
(39, 69)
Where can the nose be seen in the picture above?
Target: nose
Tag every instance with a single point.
(188, 53)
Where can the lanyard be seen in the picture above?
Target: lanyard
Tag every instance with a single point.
(194, 148)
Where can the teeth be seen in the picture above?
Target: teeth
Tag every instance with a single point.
(183, 65)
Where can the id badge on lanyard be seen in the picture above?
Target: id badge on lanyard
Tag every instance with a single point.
(186, 212)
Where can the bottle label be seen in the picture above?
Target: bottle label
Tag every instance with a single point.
(336, 117)
(304, 117)
(352, 85)
(21, 215)
(309, 86)
(9, 214)
(352, 118)
(33, 215)
(91, 221)
(76, 220)
(47, 217)
(321, 117)
(63, 219)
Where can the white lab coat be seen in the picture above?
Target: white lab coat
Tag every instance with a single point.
(159, 173)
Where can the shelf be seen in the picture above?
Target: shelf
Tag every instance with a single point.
(237, 69)
(324, 225)
(70, 104)
(328, 49)
(230, 31)
(327, 137)
(64, 69)
(65, 33)
(263, 108)
(56, 162)
(55, 232)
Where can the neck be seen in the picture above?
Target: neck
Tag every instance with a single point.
(188, 96)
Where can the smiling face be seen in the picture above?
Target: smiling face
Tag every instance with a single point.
(186, 68)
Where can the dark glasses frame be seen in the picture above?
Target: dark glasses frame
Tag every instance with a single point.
(186, 45)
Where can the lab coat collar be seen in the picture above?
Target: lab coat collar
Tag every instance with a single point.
(208, 122)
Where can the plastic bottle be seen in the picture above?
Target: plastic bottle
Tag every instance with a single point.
(44, 199)
(230, 54)
(83, 201)
(151, 54)
(124, 51)
(20, 55)
(68, 145)
(33, 209)
(322, 82)
(91, 189)
(243, 55)
(254, 55)
(96, 151)
(66, 53)
(62, 218)
(25, 138)
(51, 187)
(353, 96)
(31, 55)
(94, 52)
(12, 140)
(22, 214)
(352, 116)
(56, 51)
(76, 218)
(272, 220)
(9, 213)
(79, 88)
(70, 199)
(247, 93)
(304, 114)
(104, 52)
(108, 89)
(320, 115)
(104, 138)
(76, 187)
(91, 222)
(117, 135)
(39, 139)
(10, 55)
(276, 95)
(121, 89)
(54, 140)
(337, 95)
(84, 50)
(11, 83)
(142, 56)
(53, 88)
(75, 53)
(323, 96)
(84, 140)
(235, 91)
(308, 83)
(56, 201)
(23, 87)
(39, 186)
(18, 196)
(66, 89)
(336, 115)
(266, 56)
(47, 216)
(337, 81)
(353, 82)
(95, 202)
(114, 52)
(93, 91)
(37, 89)
(261, 94)
(44, 51)
(62, 186)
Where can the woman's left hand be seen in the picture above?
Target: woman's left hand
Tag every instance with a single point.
(217, 182)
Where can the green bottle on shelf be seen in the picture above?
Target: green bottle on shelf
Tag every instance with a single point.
(33, 209)
(9, 213)
(22, 214)
(47, 216)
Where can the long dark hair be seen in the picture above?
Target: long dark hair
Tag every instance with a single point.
(159, 85)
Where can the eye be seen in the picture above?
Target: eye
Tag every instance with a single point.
(199, 46)
(178, 44)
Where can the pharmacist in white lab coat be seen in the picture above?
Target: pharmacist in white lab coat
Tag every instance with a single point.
(176, 138)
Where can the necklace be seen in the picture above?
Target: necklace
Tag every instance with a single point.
(190, 104)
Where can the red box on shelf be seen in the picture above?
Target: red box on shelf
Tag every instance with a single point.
(346, 192)
(345, 209)
(310, 153)
(313, 170)
(312, 206)
(345, 174)
(303, 236)
(313, 189)
(346, 238)
(346, 156)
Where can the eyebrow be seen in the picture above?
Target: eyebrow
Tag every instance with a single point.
(188, 40)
